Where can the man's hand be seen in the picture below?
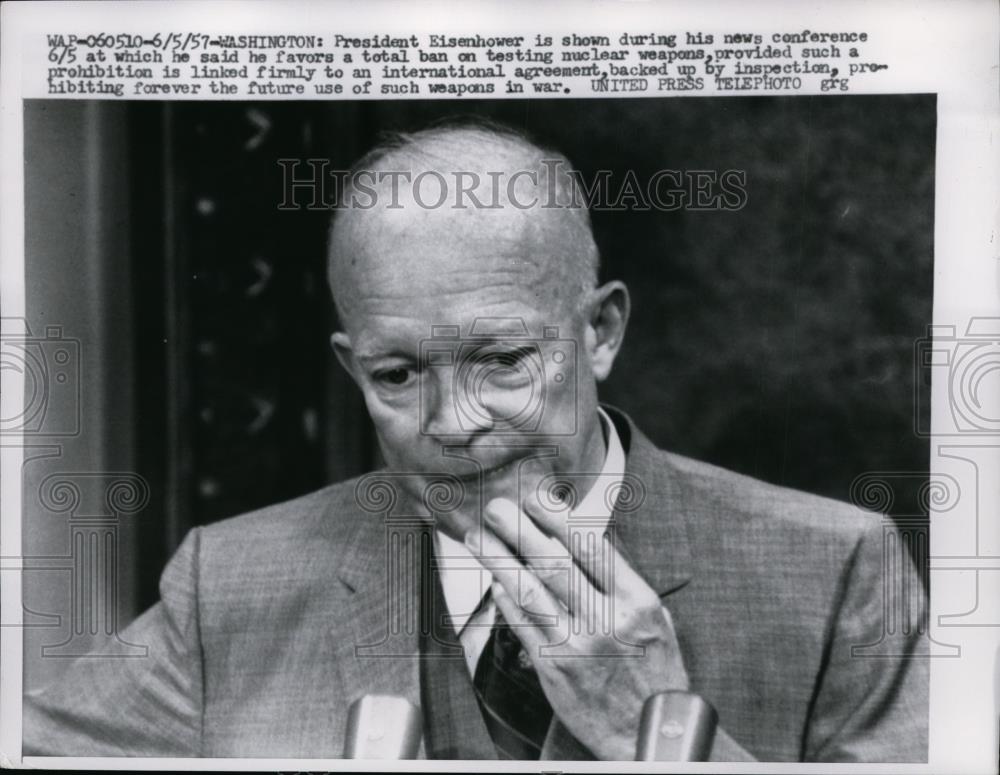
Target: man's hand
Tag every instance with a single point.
(597, 634)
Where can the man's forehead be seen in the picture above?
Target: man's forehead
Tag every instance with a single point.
(404, 335)
(495, 307)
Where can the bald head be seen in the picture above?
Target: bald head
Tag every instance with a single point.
(435, 212)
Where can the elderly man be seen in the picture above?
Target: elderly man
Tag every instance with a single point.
(529, 568)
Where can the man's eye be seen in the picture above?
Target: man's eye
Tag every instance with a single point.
(502, 367)
(397, 377)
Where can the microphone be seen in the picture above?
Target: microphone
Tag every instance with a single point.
(380, 726)
(676, 727)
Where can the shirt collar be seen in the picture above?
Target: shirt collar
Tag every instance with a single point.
(465, 582)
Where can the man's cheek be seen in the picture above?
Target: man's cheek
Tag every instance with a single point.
(398, 430)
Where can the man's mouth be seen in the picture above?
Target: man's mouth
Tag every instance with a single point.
(490, 472)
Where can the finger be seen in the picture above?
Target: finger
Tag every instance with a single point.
(593, 549)
(520, 584)
(583, 538)
(569, 581)
(548, 559)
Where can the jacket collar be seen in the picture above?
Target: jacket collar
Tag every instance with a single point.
(651, 513)
(374, 635)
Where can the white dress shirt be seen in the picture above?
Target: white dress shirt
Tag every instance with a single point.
(466, 583)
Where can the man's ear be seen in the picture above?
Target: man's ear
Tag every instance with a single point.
(608, 316)
(341, 344)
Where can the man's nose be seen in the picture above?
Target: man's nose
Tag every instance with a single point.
(444, 412)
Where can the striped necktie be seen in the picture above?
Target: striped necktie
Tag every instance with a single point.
(510, 696)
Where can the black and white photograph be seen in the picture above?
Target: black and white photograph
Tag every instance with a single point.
(493, 427)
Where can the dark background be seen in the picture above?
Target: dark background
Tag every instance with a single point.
(776, 340)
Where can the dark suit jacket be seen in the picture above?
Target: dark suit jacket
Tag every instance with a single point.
(270, 624)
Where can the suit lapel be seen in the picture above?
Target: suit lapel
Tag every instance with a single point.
(393, 638)
(375, 641)
(650, 518)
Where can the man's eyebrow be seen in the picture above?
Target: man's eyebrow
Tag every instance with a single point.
(494, 336)
(503, 339)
